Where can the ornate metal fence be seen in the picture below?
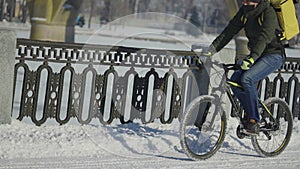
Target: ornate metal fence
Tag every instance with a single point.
(76, 80)
(64, 81)
(284, 84)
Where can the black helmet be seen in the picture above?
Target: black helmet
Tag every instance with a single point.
(257, 1)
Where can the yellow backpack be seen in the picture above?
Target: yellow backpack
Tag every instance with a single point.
(287, 18)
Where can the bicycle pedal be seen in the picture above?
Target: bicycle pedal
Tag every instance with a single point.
(265, 129)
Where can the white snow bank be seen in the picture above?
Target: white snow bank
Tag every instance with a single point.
(134, 145)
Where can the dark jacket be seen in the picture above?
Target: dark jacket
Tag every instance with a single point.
(260, 25)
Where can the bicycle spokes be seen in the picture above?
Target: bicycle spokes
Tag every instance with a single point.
(276, 128)
(202, 140)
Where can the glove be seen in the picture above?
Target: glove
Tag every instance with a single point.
(204, 51)
(209, 52)
(247, 63)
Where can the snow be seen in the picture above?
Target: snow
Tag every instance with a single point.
(132, 145)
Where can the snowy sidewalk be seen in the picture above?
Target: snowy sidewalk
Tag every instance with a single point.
(126, 146)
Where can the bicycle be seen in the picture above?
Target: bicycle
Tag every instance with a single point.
(200, 142)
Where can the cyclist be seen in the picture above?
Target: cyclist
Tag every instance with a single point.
(259, 20)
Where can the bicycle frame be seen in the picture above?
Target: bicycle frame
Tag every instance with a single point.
(237, 109)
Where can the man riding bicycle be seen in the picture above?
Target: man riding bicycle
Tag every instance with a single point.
(259, 20)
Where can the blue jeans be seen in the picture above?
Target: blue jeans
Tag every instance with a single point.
(248, 97)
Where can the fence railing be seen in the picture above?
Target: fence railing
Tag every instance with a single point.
(284, 83)
(64, 81)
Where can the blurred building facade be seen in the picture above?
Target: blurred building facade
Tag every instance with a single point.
(212, 14)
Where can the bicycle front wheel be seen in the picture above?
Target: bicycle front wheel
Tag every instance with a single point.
(202, 128)
(276, 131)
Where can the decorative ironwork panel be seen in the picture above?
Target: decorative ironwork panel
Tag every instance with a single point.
(63, 81)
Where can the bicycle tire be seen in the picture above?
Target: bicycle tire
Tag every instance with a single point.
(202, 142)
(272, 143)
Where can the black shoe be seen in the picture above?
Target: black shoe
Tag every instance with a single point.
(252, 127)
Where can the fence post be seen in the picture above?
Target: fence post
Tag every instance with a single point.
(7, 62)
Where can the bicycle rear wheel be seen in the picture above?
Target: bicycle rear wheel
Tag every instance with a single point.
(275, 133)
(202, 140)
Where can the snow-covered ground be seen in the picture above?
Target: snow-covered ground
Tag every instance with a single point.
(133, 145)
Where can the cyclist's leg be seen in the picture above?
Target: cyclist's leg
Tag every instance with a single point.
(264, 66)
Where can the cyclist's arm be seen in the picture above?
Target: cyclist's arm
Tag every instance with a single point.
(234, 26)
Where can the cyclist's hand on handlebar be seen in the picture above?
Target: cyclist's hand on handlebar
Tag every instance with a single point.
(207, 53)
(247, 63)
(204, 51)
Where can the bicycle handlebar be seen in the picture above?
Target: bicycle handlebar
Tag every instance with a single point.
(226, 67)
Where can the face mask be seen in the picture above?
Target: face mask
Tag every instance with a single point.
(248, 8)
